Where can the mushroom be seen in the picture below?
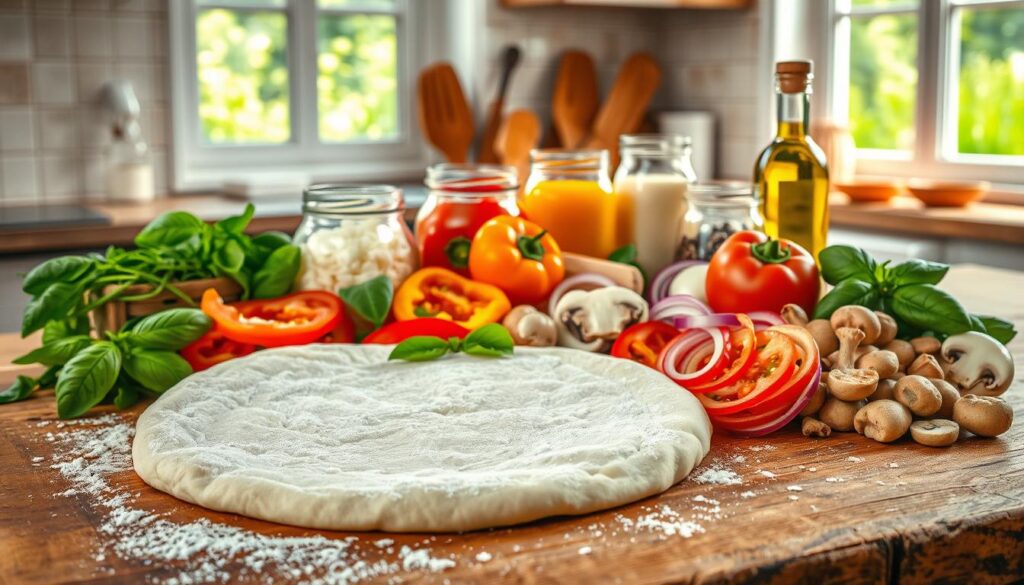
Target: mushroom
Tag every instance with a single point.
(926, 345)
(528, 326)
(889, 328)
(824, 336)
(949, 397)
(884, 390)
(852, 385)
(883, 420)
(820, 394)
(903, 350)
(812, 427)
(838, 414)
(882, 361)
(856, 317)
(925, 365)
(844, 381)
(985, 416)
(937, 432)
(977, 364)
(794, 314)
(918, 394)
(591, 320)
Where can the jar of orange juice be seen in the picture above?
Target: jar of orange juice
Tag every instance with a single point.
(569, 194)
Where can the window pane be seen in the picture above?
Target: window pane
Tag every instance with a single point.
(244, 3)
(379, 4)
(992, 81)
(884, 3)
(358, 77)
(883, 81)
(243, 76)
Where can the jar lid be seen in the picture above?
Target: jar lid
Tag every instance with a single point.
(471, 179)
(655, 144)
(724, 192)
(564, 159)
(352, 199)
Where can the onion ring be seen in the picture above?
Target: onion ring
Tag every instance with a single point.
(663, 281)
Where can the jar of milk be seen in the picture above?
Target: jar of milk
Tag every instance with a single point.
(650, 189)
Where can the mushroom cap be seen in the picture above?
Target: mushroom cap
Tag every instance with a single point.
(926, 344)
(882, 361)
(977, 364)
(884, 390)
(925, 365)
(937, 432)
(949, 397)
(889, 328)
(794, 314)
(824, 336)
(883, 420)
(918, 394)
(591, 320)
(852, 385)
(820, 394)
(903, 350)
(859, 318)
(985, 416)
(839, 414)
(528, 326)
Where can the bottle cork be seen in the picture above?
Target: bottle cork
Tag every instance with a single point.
(793, 76)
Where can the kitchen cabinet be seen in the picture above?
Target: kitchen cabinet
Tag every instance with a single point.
(699, 4)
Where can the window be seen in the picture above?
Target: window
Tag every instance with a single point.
(316, 88)
(936, 82)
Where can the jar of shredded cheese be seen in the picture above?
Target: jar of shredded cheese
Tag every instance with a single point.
(352, 233)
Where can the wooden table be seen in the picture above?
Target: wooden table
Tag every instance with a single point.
(864, 512)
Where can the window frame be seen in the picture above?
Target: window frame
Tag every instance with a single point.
(199, 166)
(936, 108)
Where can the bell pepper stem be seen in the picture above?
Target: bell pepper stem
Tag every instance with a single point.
(457, 251)
(771, 252)
(531, 247)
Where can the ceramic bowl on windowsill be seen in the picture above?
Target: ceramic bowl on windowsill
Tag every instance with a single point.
(948, 193)
(870, 190)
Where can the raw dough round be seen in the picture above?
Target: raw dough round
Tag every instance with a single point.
(337, 437)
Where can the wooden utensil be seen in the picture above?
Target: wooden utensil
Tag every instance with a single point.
(574, 102)
(623, 110)
(488, 154)
(623, 274)
(445, 118)
(519, 133)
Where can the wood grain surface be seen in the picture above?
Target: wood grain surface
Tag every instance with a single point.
(864, 512)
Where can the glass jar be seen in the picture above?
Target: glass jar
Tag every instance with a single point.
(352, 233)
(650, 191)
(716, 211)
(570, 195)
(462, 197)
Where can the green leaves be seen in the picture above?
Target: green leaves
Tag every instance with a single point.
(1000, 329)
(278, 272)
(236, 224)
(420, 348)
(156, 370)
(64, 269)
(87, 378)
(22, 388)
(839, 263)
(171, 229)
(848, 292)
(917, 272)
(491, 340)
(172, 329)
(370, 300)
(930, 308)
(51, 305)
(57, 352)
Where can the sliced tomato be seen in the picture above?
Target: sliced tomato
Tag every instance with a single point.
(741, 353)
(772, 368)
(643, 342)
(401, 330)
(213, 348)
(294, 319)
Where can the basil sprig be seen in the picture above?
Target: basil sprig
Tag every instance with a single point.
(491, 340)
(906, 290)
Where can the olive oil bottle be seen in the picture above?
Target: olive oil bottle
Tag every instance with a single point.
(791, 176)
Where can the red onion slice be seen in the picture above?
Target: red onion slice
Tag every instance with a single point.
(705, 321)
(663, 281)
(679, 350)
(576, 281)
(678, 306)
(765, 319)
(786, 417)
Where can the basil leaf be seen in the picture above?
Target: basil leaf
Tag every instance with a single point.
(126, 397)
(624, 255)
(170, 229)
(370, 300)
(57, 352)
(851, 291)
(22, 388)
(52, 305)
(87, 378)
(229, 259)
(236, 224)
(156, 370)
(420, 348)
(491, 340)
(276, 276)
(55, 330)
(271, 240)
(63, 269)
(1001, 330)
(917, 272)
(930, 308)
(49, 378)
(839, 263)
(171, 329)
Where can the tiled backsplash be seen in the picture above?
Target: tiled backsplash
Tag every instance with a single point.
(55, 56)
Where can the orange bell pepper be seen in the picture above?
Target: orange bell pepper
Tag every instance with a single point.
(517, 256)
(439, 292)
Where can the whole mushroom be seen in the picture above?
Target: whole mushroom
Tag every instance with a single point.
(824, 336)
(838, 414)
(977, 364)
(591, 320)
(528, 326)
(794, 314)
(853, 325)
(882, 361)
(949, 397)
(918, 394)
(903, 350)
(889, 328)
(925, 365)
(985, 416)
(883, 420)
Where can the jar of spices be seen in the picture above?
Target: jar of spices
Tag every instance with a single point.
(570, 195)
(462, 197)
(716, 211)
(650, 189)
(352, 233)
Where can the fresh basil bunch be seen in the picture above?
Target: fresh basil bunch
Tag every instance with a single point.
(140, 360)
(906, 291)
(491, 340)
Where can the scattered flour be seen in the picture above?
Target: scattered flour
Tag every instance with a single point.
(747, 494)
(853, 459)
(766, 473)
(894, 465)
(665, 520)
(718, 475)
(835, 479)
(585, 550)
(794, 498)
(794, 488)
(483, 557)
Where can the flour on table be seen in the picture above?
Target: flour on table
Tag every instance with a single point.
(719, 476)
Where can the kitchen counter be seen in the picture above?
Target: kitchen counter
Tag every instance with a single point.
(842, 509)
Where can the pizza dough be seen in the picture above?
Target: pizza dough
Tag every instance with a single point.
(337, 437)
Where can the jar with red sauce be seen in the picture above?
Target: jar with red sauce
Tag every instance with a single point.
(462, 198)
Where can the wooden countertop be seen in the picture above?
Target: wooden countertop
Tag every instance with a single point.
(842, 509)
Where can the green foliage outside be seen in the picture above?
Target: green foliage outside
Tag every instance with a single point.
(883, 81)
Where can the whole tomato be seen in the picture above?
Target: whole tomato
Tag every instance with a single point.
(752, 272)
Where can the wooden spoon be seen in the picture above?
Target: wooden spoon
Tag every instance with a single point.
(445, 118)
(517, 136)
(510, 58)
(574, 101)
(623, 110)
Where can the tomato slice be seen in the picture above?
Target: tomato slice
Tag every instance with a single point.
(213, 348)
(741, 351)
(401, 330)
(772, 369)
(294, 319)
(643, 342)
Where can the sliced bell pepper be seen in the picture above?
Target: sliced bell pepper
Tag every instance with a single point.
(399, 331)
(295, 319)
(213, 348)
(517, 256)
(440, 293)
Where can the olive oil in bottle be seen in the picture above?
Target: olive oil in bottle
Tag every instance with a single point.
(790, 174)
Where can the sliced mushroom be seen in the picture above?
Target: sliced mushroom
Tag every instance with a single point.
(918, 394)
(925, 365)
(883, 420)
(591, 320)
(977, 364)
(824, 336)
(820, 394)
(889, 328)
(852, 385)
(528, 326)
(937, 432)
(949, 397)
(794, 314)
(904, 351)
(884, 391)
(812, 427)
(839, 414)
(926, 345)
(857, 317)
(985, 416)
(882, 361)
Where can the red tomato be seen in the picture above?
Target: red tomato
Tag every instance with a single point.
(213, 348)
(741, 354)
(294, 319)
(751, 272)
(773, 366)
(643, 342)
(401, 330)
(445, 234)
